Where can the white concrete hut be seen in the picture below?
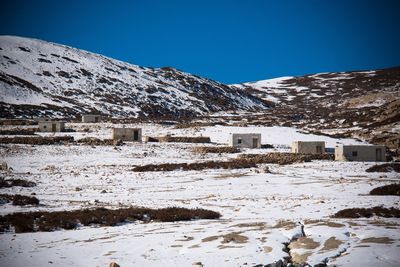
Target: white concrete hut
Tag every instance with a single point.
(245, 140)
(127, 134)
(51, 126)
(308, 147)
(91, 118)
(360, 153)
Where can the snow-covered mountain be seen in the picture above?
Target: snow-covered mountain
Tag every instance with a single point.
(363, 104)
(39, 78)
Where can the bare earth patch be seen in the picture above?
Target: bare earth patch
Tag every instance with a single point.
(304, 243)
(331, 244)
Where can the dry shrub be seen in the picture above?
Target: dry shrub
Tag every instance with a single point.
(18, 131)
(184, 139)
(93, 141)
(386, 167)
(37, 140)
(152, 139)
(50, 221)
(185, 125)
(368, 212)
(15, 182)
(391, 189)
(20, 200)
(14, 122)
(215, 149)
(284, 158)
(231, 164)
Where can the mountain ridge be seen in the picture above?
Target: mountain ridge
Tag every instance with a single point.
(55, 80)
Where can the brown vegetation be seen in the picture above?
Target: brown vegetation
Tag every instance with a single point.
(391, 189)
(368, 212)
(17, 122)
(184, 139)
(18, 131)
(386, 167)
(36, 140)
(93, 141)
(232, 164)
(284, 158)
(243, 161)
(215, 149)
(50, 221)
(19, 200)
(15, 182)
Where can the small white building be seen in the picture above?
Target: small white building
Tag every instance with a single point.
(127, 134)
(245, 140)
(360, 153)
(308, 147)
(51, 126)
(91, 118)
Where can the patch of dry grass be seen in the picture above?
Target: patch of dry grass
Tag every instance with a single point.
(391, 189)
(4, 183)
(184, 139)
(215, 149)
(386, 167)
(50, 221)
(19, 200)
(231, 164)
(36, 140)
(93, 141)
(284, 158)
(368, 212)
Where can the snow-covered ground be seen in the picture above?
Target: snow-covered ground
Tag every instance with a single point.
(260, 211)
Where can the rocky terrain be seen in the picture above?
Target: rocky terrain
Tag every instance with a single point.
(361, 104)
(42, 79)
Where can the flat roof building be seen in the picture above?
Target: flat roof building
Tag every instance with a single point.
(51, 126)
(360, 153)
(245, 140)
(308, 147)
(127, 134)
(91, 118)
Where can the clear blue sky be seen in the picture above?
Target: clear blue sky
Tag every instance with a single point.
(229, 41)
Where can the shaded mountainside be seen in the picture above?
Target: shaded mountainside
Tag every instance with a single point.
(40, 79)
(364, 104)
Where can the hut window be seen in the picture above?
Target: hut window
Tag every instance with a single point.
(354, 153)
(239, 140)
(44, 126)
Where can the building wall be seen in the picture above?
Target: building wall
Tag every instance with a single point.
(360, 153)
(91, 118)
(306, 147)
(47, 126)
(127, 134)
(245, 140)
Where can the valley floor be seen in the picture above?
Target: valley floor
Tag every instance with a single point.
(261, 210)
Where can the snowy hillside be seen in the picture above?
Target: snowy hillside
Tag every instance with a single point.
(363, 104)
(39, 78)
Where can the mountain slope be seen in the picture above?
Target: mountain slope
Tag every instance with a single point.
(39, 78)
(364, 104)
